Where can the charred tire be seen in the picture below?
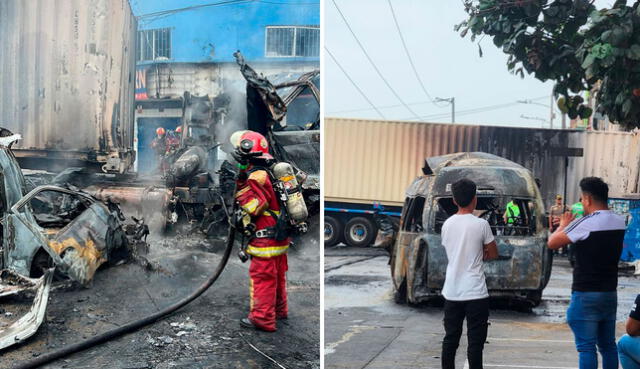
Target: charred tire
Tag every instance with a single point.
(359, 232)
(333, 231)
(400, 294)
(534, 297)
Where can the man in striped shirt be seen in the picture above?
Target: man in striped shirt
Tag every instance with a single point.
(597, 241)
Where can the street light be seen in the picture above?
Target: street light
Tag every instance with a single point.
(534, 118)
(552, 114)
(452, 101)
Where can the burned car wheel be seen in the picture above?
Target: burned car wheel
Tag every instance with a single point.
(359, 232)
(332, 231)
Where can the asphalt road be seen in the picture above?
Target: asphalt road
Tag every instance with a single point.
(204, 334)
(365, 328)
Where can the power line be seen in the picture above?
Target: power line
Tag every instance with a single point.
(353, 83)
(406, 50)
(178, 10)
(379, 107)
(371, 61)
(475, 110)
(290, 2)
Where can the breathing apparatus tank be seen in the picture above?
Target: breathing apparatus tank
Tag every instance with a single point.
(296, 207)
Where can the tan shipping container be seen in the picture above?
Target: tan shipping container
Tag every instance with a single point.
(67, 71)
(372, 160)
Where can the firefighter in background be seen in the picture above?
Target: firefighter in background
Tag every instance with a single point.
(172, 146)
(159, 146)
(267, 247)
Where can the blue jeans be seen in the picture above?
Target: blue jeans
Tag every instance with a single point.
(592, 318)
(629, 352)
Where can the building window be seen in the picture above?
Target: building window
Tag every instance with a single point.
(154, 44)
(288, 41)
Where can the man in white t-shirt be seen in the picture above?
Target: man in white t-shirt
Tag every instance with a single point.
(468, 241)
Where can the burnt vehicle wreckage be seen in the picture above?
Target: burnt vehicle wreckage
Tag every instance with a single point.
(195, 187)
(418, 259)
(53, 228)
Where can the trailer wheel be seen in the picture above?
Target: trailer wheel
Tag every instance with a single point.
(333, 230)
(359, 232)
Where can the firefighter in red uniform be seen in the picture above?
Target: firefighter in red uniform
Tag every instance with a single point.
(268, 250)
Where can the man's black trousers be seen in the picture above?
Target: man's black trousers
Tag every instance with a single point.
(477, 314)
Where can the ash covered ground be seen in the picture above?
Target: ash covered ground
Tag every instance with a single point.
(204, 334)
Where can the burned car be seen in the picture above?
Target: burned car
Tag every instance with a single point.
(52, 225)
(52, 228)
(418, 259)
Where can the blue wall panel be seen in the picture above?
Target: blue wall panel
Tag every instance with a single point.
(630, 209)
(214, 33)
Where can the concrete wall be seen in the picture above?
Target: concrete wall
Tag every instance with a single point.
(214, 33)
(172, 80)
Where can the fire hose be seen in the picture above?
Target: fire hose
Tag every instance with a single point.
(137, 324)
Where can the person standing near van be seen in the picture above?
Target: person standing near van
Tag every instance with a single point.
(597, 244)
(468, 241)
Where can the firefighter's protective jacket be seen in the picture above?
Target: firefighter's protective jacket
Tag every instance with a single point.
(258, 199)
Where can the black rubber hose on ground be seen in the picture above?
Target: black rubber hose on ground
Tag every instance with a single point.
(137, 324)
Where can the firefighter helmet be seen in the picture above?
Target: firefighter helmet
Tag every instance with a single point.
(250, 141)
(160, 131)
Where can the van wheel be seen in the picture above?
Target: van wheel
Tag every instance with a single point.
(534, 297)
(400, 295)
(333, 231)
(359, 232)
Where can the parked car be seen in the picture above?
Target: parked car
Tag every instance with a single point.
(418, 259)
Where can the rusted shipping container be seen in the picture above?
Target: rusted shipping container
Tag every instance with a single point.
(369, 160)
(67, 71)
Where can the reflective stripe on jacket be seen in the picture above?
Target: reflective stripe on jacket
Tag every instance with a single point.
(267, 251)
(258, 199)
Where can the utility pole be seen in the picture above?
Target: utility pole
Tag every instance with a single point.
(551, 114)
(452, 101)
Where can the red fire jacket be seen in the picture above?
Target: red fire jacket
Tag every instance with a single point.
(256, 196)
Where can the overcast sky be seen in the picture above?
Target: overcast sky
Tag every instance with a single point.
(447, 64)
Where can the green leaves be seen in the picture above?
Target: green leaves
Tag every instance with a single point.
(633, 52)
(571, 43)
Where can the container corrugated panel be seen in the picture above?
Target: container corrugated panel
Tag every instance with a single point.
(368, 160)
(67, 71)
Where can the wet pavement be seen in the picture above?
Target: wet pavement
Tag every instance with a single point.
(365, 328)
(204, 334)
